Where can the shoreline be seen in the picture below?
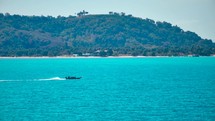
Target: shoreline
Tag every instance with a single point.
(41, 57)
(23, 57)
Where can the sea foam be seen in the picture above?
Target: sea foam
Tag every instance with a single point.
(53, 78)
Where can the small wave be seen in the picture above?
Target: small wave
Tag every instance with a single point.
(4, 80)
(9, 80)
(53, 78)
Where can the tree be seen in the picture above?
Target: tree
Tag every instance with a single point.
(110, 13)
(122, 14)
(109, 52)
(82, 13)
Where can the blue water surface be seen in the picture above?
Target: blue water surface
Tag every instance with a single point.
(128, 89)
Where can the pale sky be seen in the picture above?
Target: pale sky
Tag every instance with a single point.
(194, 15)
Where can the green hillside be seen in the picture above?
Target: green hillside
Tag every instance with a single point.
(101, 35)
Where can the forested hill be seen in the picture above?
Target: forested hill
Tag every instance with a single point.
(102, 35)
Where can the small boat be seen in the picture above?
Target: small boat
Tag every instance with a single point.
(72, 77)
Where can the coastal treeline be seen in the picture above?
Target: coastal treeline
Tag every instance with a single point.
(109, 34)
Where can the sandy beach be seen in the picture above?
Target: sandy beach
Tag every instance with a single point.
(28, 57)
(88, 57)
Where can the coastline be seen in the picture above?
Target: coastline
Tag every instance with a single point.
(41, 57)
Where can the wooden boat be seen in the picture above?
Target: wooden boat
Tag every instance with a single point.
(72, 77)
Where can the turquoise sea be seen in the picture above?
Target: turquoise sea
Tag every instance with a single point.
(119, 89)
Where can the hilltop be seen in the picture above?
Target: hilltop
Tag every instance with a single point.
(101, 35)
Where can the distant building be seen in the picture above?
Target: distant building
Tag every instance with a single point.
(75, 55)
(86, 54)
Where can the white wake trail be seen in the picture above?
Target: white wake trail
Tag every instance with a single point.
(53, 78)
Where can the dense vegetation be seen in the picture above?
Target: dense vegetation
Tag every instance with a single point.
(103, 35)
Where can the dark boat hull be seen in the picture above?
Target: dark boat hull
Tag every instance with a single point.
(70, 78)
